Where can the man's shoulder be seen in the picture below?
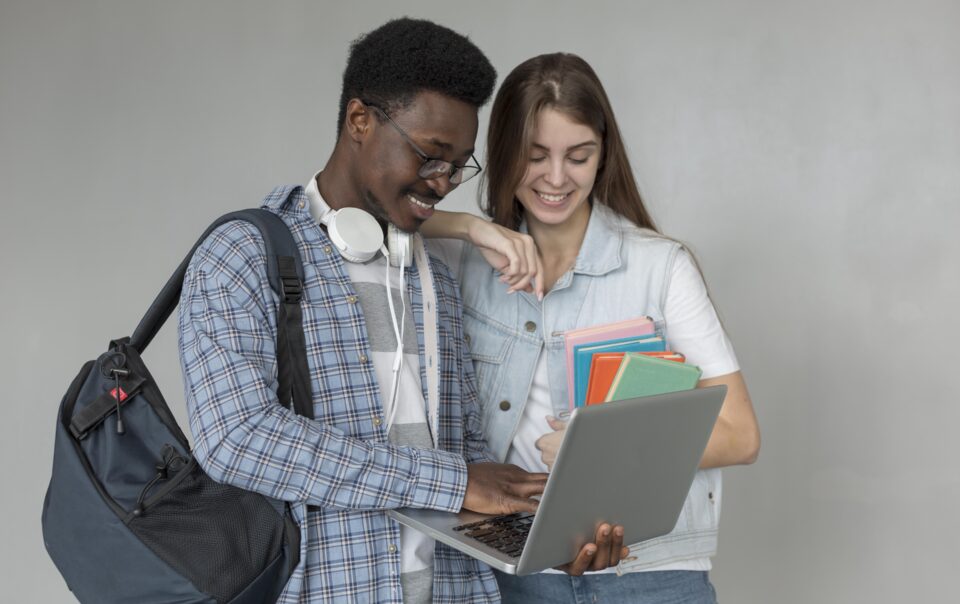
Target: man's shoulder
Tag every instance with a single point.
(236, 239)
(240, 238)
(283, 196)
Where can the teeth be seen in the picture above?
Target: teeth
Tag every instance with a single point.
(418, 203)
(553, 198)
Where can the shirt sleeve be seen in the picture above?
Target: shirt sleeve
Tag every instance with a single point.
(244, 437)
(693, 327)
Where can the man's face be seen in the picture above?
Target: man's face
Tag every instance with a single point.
(443, 128)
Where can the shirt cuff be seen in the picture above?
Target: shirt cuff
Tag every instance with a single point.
(441, 483)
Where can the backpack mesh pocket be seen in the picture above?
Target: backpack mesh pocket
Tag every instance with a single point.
(216, 535)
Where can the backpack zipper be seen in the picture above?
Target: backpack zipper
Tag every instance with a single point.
(173, 468)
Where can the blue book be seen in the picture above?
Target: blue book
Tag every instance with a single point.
(583, 356)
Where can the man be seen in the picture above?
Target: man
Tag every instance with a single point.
(396, 420)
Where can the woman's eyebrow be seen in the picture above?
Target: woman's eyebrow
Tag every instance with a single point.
(571, 148)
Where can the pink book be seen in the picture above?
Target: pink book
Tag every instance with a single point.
(599, 333)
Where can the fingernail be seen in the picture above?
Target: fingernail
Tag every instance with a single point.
(591, 551)
(540, 296)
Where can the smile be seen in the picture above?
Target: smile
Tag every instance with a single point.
(419, 204)
(552, 198)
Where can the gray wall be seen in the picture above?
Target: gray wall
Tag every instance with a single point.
(808, 151)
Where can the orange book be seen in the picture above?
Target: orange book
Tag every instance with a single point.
(604, 367)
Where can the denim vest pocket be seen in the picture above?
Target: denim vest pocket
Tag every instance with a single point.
(488, 349)
(702, 506)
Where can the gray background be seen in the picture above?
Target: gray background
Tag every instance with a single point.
(808, 151)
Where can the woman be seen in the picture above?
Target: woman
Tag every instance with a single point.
(571, 234)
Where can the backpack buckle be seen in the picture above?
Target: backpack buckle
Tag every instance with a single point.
(292, 290)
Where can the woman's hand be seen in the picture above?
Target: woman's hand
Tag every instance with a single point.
(549, 443)
(511, 253)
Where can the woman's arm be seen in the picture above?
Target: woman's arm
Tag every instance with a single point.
(514, 255)
(735, 439)
(447, 225)
(736, 436)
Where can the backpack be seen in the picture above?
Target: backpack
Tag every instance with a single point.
(129, 515)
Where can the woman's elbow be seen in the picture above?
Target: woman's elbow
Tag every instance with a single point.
(750, 447)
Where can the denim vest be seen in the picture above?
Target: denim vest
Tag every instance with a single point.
(621, 272)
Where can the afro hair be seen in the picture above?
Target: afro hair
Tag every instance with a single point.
(390, 65)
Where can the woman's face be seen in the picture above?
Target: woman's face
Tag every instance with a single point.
(564, 157)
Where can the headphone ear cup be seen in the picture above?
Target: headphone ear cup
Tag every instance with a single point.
(399, 246)
(355, 233)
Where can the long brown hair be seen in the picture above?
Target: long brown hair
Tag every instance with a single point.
(566, 83)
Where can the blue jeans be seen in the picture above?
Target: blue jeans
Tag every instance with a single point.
(657, 587)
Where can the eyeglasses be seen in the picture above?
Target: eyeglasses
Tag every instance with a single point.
(434, 167)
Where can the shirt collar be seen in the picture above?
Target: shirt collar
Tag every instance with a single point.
(319, 209)
(600, 250)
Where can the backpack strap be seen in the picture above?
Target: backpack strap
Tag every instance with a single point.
(285, 274)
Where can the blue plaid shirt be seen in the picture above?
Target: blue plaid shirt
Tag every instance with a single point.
(341, 463)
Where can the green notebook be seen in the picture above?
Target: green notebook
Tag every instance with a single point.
(642, 375)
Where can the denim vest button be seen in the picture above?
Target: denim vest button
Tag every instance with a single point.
(530, 326)
(504, 405)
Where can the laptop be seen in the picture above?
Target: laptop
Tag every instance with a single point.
(628, 462)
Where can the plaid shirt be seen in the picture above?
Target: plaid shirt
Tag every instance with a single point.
(340, 463)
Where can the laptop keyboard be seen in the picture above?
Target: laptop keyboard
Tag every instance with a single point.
(506, 533)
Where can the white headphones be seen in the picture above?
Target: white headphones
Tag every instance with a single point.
(358, 237)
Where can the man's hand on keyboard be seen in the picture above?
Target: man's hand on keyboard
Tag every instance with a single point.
(499, 488)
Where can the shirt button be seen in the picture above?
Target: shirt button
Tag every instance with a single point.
(504, 405)
(530, 326)
(327, 249)
(376, 420)
(363, 358)
(352, 299)
(392, 548)
(301, 204)
(466, 338)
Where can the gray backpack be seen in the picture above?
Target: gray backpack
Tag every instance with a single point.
(129, 515)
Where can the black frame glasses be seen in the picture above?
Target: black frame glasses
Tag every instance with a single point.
(433, 167)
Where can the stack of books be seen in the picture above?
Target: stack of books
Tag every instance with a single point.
(623, 360)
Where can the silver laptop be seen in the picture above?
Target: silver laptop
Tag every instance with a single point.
(627, 462)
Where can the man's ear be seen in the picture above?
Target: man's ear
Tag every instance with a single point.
(358, 120)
